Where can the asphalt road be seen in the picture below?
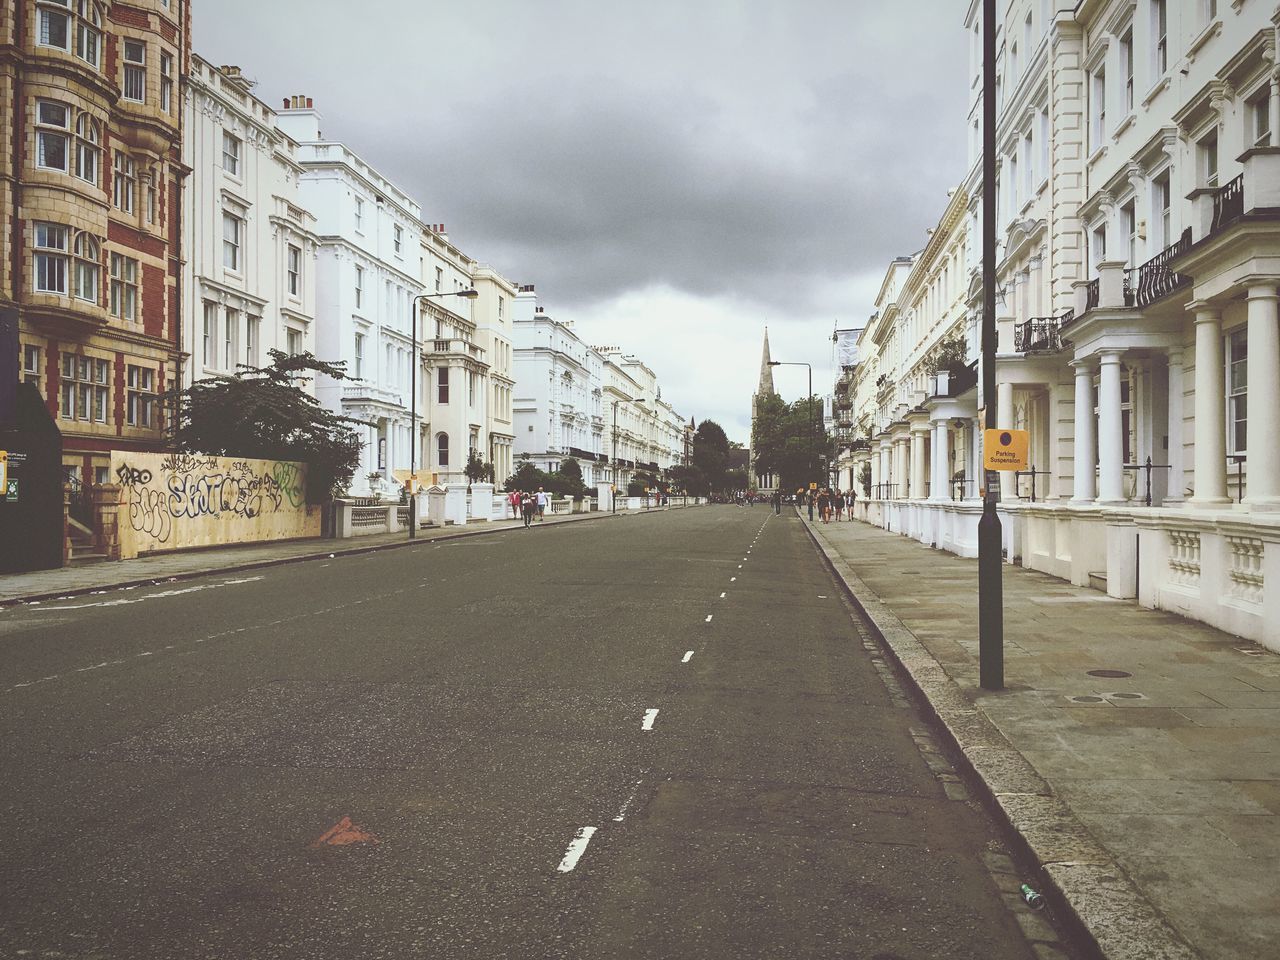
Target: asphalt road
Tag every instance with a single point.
(176, 760)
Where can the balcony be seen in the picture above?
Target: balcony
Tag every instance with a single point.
(862, 443)
(1228, 204)
(1156, 280)
(453, 348)
(368, 393)
(1040, 334)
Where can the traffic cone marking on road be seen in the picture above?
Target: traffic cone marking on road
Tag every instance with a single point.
(342, 833)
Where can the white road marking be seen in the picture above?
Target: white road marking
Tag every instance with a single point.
(687, 657)
(627, 803)
(650, 715)
(576, 849)
(128, 601)
(739, 566)
(709, 616)
(721, 596)
(822, 596)
(731, 579)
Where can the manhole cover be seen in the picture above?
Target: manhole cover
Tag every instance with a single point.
(1125, 696)
(1110, 674)
(1086, 699)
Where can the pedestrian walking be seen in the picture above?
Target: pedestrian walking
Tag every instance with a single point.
(809, 501)
(513, 501)
(824, 505)
(542, 503)
(528, 507)
(838, 503)
(853, 495)
(777, 503)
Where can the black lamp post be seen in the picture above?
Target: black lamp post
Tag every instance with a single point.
(808, 400)
(413, 398)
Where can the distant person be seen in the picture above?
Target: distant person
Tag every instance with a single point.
(853, 495)
(777, 503)
(542, 503)
(513, 501)
(837, 502)
(528, 507)
(824, 505)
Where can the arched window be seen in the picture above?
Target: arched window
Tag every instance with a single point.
(88, 153)
(442, 449)
(86, 268)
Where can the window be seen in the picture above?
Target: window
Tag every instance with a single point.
(359, 357)
(1259, 111)
(231, 236)
(166, 82)
(84, 388)
(135, 71)
(88, 153)
(1238, 389)
(1013, 62)
(51, 258)
(1098, 106)
(442, 449)
(124, 287)
(1028, 159)
(251, 327)
(229, 330)
(1129, 230)
(210, 334)
(439, 279)
(471, 389)
(124, 182)
(359, 286)
(231, 153)
(1160, 212)
(53, 27)
(501, 304)
(30, 363)
(1014, 185)
(53, 135)
(88, 37)
(1208, 150)
(442, 385)
(295, 269)
(396, 236)
(140, 396)
(151, 198)
(359, 210)
(1126, 67)
(86, 266)
(293, 341)
(1026, 37)
(1160, 35)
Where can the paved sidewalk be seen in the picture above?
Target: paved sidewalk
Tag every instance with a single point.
(1152, 799)
(47, 584)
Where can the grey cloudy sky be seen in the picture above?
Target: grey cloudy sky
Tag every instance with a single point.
(673, 176)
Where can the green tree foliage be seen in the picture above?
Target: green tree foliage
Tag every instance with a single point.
(789, 441)
(564, 482)
(263, 413)
(476, 469)
(711, 454)
(735, 480)
(690, 480)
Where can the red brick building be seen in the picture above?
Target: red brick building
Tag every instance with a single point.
(90, 181)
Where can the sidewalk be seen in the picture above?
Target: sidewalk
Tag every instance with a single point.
(1152, 798)
(48, 584)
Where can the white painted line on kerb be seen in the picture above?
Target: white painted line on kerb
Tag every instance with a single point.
(687, 657)
(709, 616)
(577, 848)
(650, 715)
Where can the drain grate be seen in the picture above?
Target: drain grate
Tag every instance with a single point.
(1087, 699)
(1126, 696)
(1109, 674)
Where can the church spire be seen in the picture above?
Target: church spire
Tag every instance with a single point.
(766, 371)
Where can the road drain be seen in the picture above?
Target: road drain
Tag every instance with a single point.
(1109, 674)
(1087, 699)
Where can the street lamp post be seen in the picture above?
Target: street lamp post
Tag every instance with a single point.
(413, 397)
(613, 499)
(808, 400)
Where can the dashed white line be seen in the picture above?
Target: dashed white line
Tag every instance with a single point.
(721, 596)
(577, 847)
(709, 616)
(650, 715)
(622, 814)
(731, 579)
(687, 657)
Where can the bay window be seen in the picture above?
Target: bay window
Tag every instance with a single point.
(51, 258)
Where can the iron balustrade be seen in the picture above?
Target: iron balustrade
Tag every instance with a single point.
(1126, 289)
(1032, 473)
(1228, 203)
(1155, 278)
(1040, 334)
(1091, 294)
(1147, 468)
(1239, 460)
(963, 489)
(79, 503)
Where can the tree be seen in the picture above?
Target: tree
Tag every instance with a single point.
(789, 441)
(263, 413)
(711, 454)
(475, 470)
(527, 477)
(567, 481)
(690, 480)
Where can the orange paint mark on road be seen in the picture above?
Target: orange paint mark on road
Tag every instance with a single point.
(344, 832)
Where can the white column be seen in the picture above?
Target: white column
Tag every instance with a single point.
(942, 458)
(1177, 482)
(902, 489)
(1110, 430)
(917, 461)
(1273, 115)
(1083, 490)
(1210, 424)
(873, 457)
(1263, 431)
(1004, 420)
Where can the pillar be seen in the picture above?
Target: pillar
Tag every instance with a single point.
(873, 457)
(1173, 428)
(1004, 420)
(1262, 429)
(1083, 489)
(942, 460)
(1210, 424)
(902, 447)
(918, 461)
(1110, 430)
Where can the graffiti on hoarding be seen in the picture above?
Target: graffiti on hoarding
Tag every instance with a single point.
(147, 511)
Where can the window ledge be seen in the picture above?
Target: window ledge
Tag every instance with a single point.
(1096, 156)
(1155, 91)
(1122, 126)
(1213, 29)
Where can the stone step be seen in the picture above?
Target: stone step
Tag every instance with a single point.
(1098, 581)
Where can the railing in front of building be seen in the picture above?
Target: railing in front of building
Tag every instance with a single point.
(1040, 334)
(962, 489)
(79, 502)
(1091, 294)
(1155, 278)
(1228, 203)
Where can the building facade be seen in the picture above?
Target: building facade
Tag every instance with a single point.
(1138, 243)
(492, 312)
(250, 282)
(92, 214)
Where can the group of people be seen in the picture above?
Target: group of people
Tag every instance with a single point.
(828, 503)
(528, 504)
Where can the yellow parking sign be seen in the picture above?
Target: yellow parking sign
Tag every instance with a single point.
(1005, 449)
(4, 470)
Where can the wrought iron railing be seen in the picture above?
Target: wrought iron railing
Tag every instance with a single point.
(962, 379)
(81, 504)
(1091, 294)
(1126, 289)
(1228, 203)
(1040, 334)
(1155, 278)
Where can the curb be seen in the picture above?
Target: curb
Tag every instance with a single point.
(1104, 903)
(281, 561)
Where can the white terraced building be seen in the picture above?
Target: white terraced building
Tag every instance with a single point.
(1139, 260)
